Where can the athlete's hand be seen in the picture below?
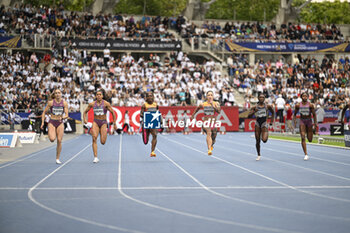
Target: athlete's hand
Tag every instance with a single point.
(115, 126)
(85, 121)
(42, 126)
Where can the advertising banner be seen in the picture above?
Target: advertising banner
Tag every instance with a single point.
(286, 47)
(120, 44)
(10, 41)
(249, 126)
(324, 129)
(70, 126)
(337, 130)
(8, 140)
(26, 138)
(347, 138)
(173, 117)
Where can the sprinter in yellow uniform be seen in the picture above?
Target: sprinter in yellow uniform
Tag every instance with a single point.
(210, 108)
(149, 106)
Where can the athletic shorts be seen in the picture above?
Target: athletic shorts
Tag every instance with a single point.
(261, 123)
(306, 122)
(55, 123)
(100, 123)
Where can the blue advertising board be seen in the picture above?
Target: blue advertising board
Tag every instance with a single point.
(152, 120)
(286, 47)
(6, 140)
(10, 41)
(347, 138)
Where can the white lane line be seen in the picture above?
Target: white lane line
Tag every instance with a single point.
(295, 154)
(150, 205)
(251, 202)
(181, 187)
(36, 153)
(274, 207)
(283, 162)
(313, 146)
(266, 177)
(30, 196)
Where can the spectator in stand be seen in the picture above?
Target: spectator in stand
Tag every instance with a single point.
(320, 114)
(280, 103)
(289, 118)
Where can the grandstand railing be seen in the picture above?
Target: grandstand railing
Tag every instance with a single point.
(42, 41)
(4, 117)
(209, 45)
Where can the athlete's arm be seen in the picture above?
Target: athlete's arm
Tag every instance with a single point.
(269, 107)
(312, 108)
(65, 104)
(143, 108)
(343, 113)
(161, 117)
(216, 107)
(296, 110)
(49, 104)
(86, 111)
(195, 111)
(252, 111)
(110, 109)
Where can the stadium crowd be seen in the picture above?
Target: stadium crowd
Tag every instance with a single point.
(327, 82)
(28, 80)
(257, 32)
(27, 21)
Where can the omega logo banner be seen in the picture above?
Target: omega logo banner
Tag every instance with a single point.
(249, 125)
(175, 117)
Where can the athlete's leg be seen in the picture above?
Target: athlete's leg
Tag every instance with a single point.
(148, 131)
(310, 133)
(214, 133)
(103, 134)
(94, 133)
(302, 129)
(59, 135)
(257, 139)
(264, 134)
(154, 141)
(52, 132)
(209, 139)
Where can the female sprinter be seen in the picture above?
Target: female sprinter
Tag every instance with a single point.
(305, 127)
(261, 128)
(210, 108)
(99, 125)
(346, 107)
(149, 106)
(59, 112)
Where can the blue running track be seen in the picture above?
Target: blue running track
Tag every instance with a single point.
(181, 190)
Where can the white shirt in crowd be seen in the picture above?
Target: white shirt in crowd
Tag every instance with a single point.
(280, 102)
